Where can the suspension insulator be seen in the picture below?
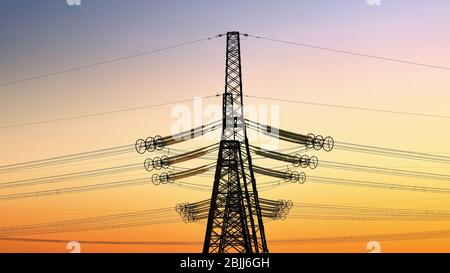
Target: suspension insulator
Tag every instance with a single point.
(302, 178)
(280, 204)
(288, 176)
(310, 140)
(165, 161)
(313, 162)
(295, 178)
(289, 204)
(304, 161)
(275, 216)
(328, 144)
(170, 177)
(140, 146)
(184, 207)
(297, 160)
(159, 143)
(164, 178)
(150, 144)
(318, 142)
(178, 208)
(188, 219)
(148, 164)
(157, 164)
(155, 179)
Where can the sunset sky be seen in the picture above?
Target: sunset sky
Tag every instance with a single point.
(40, 37)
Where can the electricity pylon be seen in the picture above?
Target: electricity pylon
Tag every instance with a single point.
(235, 216)
(235, 222)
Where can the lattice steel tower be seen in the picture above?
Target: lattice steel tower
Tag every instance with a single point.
(235, 222)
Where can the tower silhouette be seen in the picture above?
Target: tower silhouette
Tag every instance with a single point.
(234, 212)
(235, 221)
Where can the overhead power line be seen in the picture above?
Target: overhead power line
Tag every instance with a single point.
(111, 151)
(82, 156)
(199, 210)
(348, 52)
(102, 242)
(370, 237)
(351, 107)
(386, 171)
(421, 235)
(86, 66)
(99, 113)
(353, 147)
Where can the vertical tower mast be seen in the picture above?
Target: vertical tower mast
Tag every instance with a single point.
(235, 222)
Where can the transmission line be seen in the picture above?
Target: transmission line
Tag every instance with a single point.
(99, 113)
(421, 235)
(392, 152)
(86, 66)
(381, 170)
(117, 150)
(198, 211)
(347, 52)
(351, 107)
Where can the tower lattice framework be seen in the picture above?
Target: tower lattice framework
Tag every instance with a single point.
(235, 221)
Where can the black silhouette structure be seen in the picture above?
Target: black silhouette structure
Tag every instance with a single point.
(234, 213)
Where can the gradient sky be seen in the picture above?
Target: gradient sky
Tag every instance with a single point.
(45, 36)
